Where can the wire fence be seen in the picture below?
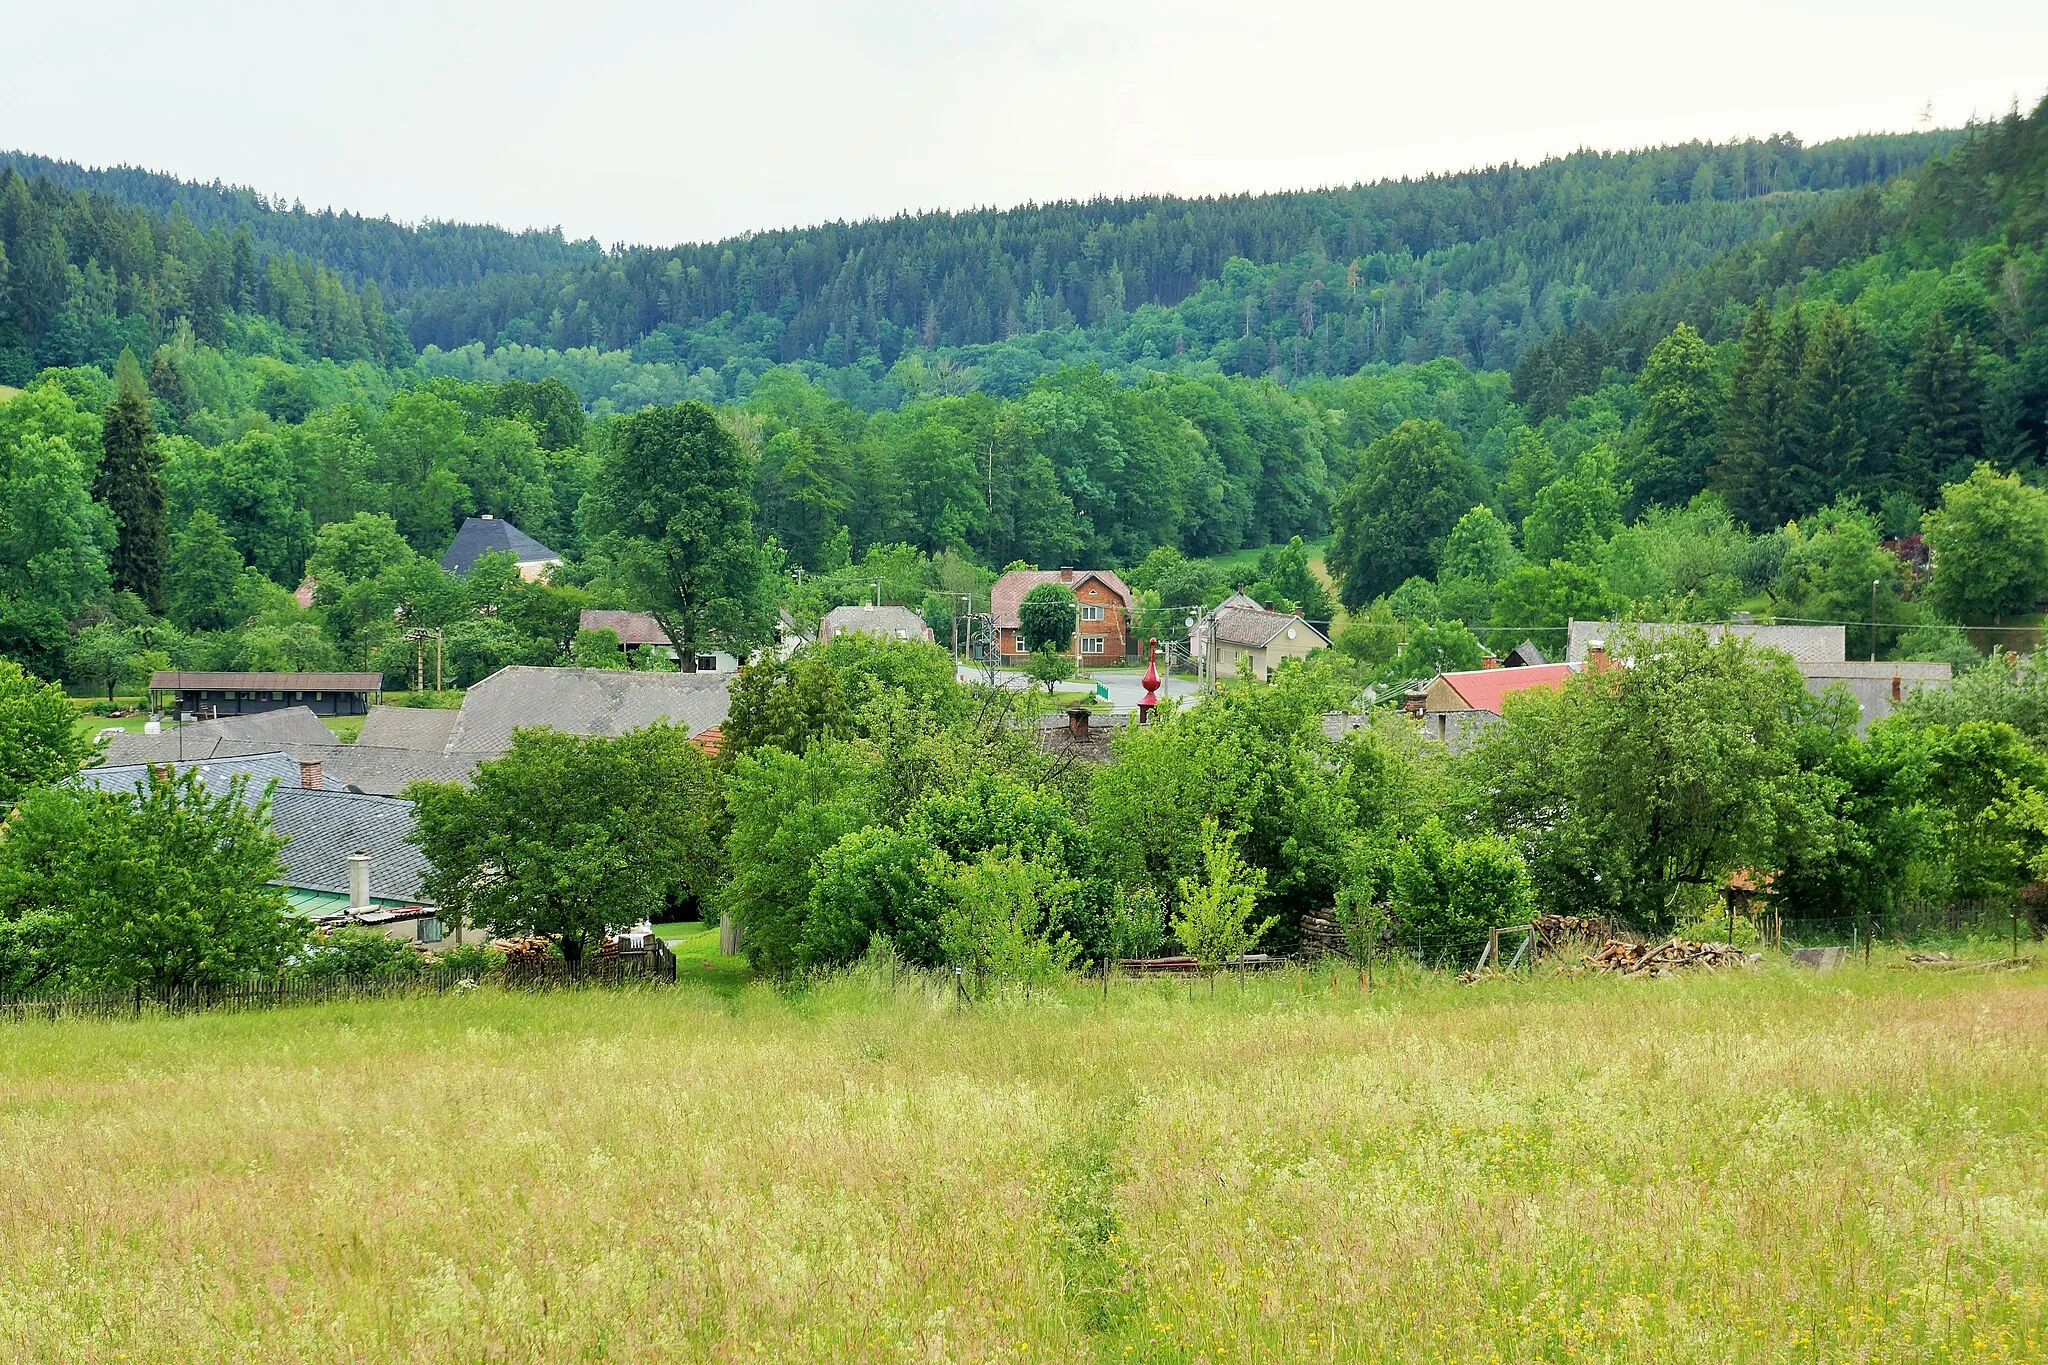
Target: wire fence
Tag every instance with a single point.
(652, 967)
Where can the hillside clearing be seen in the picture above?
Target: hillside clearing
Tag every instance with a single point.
(1765, 1165)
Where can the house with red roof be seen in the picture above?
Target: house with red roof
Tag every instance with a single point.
(1457, 706)
(1102, 633)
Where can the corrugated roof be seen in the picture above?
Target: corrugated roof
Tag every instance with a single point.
(1009, 590)
(1482, 688)
(1807, 644)
(633, 628)
(186, 680)
(321, 828)
(426, 729)
(256, 732)
(585, 701)
(890, 622)
(481, 536)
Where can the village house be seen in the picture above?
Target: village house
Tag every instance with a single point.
(1102, 626)
(639, 630)
(888, 622)
(1248, 636)
(207, 696)
(1456, 707)
(485, 535)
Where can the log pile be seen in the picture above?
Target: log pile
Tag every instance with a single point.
(1322, 936)
(528, 951)
(1663, 959)
(1556, 933)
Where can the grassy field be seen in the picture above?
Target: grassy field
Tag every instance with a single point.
(1760, 1166)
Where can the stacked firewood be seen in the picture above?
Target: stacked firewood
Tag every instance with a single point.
(528, 951)
(1555, 933)
(1321, 935)
(1662, 959)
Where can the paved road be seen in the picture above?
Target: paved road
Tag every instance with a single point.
(1126, 688)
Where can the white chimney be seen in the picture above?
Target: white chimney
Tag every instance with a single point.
(358, 881)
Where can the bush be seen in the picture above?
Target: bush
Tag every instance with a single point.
(874, 881)
(335, 953)
(1450, 891)
(478, 960)
(1006, 920)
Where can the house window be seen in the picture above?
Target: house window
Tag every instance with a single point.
(1091, 613)
(707, 663)
(277, 696)
(1091, 644)
(432, 931)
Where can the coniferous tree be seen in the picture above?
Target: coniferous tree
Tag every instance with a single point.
(130, 485)
(1785, 478)
(1837, 424)
(1943, 399)
(1751, 432)
(1674, 454)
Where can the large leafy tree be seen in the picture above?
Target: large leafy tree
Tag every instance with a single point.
(206, 575)
(675, 499)
(1834, 569)
(1990, 544)
(162, 889)
(1638, 789)
(130, 484)
(572, 837)
(54, 541)
(1045, 618)
(1412, 486)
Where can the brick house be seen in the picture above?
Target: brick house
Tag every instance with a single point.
(1103, 634)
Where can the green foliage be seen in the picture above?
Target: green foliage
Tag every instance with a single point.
(1212, 916)
(1835, 570)
(1049, 666)
(874, 881)
(39, 740)
(1989, 538)
(1677, 436)
(204, 585)
(1046, 618)
(1005, 921)
(675, 501)
(1411, 488)
(356, 953)
(1631, 788)
(163, 889)
(131, 487)
(785, 810)
(1447, 892)
(572, 837)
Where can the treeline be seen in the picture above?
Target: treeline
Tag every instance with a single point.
(84, 277)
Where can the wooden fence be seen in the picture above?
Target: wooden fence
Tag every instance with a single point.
(656, 966)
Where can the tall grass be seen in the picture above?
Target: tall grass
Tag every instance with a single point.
(1765, 1165)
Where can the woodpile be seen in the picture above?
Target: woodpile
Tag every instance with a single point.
(1322, 936)
(528, 951)
(1557, 933)
(1663, 959)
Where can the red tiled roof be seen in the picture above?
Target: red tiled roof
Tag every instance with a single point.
(711, 741)
(1008, 593)
(1482, 688)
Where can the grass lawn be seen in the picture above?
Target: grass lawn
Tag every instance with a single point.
(345, 728)
(1763, 1165)
(695, 945)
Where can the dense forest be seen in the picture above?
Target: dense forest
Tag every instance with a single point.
(1660, 382)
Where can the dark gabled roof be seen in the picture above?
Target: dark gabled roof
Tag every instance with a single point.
(385, 772)
(185, 680)
(321, 828)
(584, 701)
(259, 732)
(481, 536)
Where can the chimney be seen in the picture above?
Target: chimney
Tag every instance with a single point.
(359, 881)
(1895, 687)
(1596, 656)
(309, 775)
(1077, 722)
(159, 772)
(1488, 661)
(1066, 574)
(487, 517)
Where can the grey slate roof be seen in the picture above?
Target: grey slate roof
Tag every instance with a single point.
(480, 536)
(890, 622)
(1806, 644)
(408, 727)
(385, 772)
(321, 828)
(1242, 621)
(584, 701)
(632, 627)
(256, 733)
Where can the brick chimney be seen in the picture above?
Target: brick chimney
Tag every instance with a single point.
(1066, 574)
(1596, 656)
(1488, 661)
(1077, 722)
(1895, 687)
(309, 775)
(159, 772)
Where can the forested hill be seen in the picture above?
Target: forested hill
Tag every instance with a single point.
(1475, 266)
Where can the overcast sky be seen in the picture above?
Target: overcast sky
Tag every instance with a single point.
(666, 122)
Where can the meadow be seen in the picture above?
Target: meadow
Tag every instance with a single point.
(1760, 1165)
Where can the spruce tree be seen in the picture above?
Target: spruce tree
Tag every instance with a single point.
(1943, 400)
(1784, 457)
(1750, 435)
(1837, 424)
(130, 486)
